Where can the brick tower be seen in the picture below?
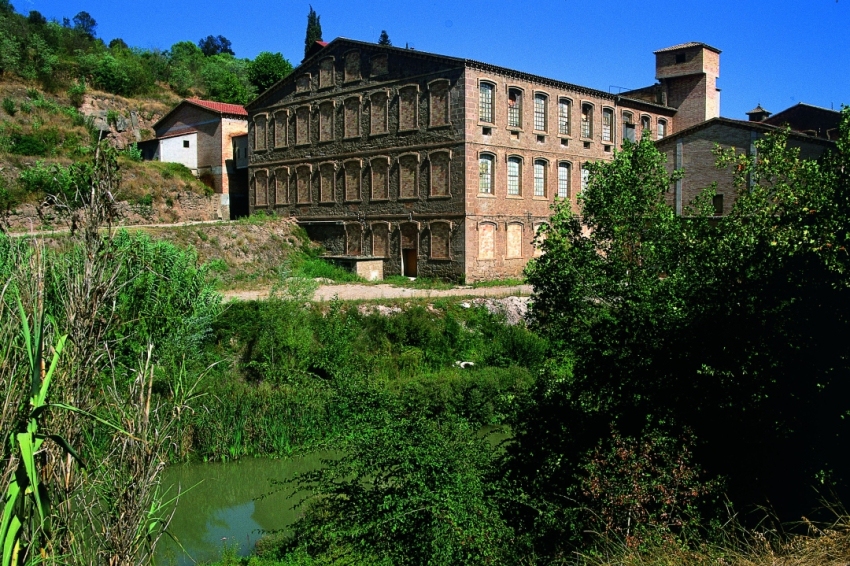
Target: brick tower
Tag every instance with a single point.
(688, 75)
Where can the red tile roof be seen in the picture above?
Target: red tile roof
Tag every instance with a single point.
(220, 107)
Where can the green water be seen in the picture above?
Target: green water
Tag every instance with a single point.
(223, 506)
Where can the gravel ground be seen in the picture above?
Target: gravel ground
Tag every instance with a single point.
(353, 291)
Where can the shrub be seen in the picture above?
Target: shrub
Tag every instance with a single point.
(9, 106)
(28, 144)
(50, 179)
(76, 92)
(132, 152)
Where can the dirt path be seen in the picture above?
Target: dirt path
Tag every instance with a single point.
(353, 291)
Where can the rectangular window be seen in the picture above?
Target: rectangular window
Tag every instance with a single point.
(326, 178)
(586, 121)
(662, 129)
(439, 95)
(514, 108)
(539, 179)
(485, 174)
(352, 180)
(564, 181)
(407, 168)
(185, 143)
(326, 121)
(607, 125)
(440, 177)
(302, 125)
(514, 166)
(280, 121)
(260, 132)
(540, 112)
(485, 103)
(379, 113)
(351, 117)
(326, 72)
(585, 178)
(408, 98)
(564, 117)
(352, 66)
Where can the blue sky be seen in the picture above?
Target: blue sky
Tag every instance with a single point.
(776, 52)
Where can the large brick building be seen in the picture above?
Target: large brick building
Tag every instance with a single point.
(445, 167)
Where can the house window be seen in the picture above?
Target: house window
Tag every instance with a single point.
(485, 102)
(539, 178)
(185, 143)
(486, 240)
(645, 126)
(585, 178)
(281, 185)
(607, 125)
(261, 188)
(717, 204)
(440, 236)
(408, 166)
(439, 173)
(260, 132)
(380, 65)
(514, 176)
(327, 174)
(326, 121)
(351, 118)
(564, 111)
(587, 120)
(354, 239)
(540, 101)
(380, 178)
(352, 180)
(514, 108)
(628, 126)
(326, 73)
(352, 66)
(485, 174)
(564, 180)
(280, 121)
(439, 94)
(408, 98)
(514, 241)
(662, 128)
(302, 126)
(378, 113)
(302, 183)
(302, 84)
(380, 240)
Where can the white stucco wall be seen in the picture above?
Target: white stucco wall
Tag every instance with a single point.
(173, 150)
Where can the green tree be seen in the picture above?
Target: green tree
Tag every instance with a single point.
(384, 39)
(267, 69)
(314, 30)
(661, 324)
(212, 45)
(85, 24)
(226, 79)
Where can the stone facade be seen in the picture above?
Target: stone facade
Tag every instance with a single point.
(443, 167)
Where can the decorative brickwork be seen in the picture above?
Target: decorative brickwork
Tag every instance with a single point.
(440, 234)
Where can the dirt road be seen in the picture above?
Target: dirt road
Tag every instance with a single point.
(353, 291)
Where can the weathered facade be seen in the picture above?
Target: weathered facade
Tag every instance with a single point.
(445, 167)
(200, 135)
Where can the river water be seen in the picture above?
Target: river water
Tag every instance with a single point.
(222, 507)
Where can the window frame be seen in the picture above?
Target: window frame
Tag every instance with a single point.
(415, 157)
(544, 98)
(325, 104)
(281, 177)
(332, 81)
(521, 100)
(345, 75)
(265, 119)
(508, 226)
(358, 134)
(448, 154)
(518, 159)
(478, 232)
(448, 227)
(264, 174)
(385, 93)
(322, 167)
(648, 119)
(660, 124)
(386, 162)
(568, 102)
(431, 104)
(372, 59)
(568, 166)
(591, 115)
(309, 112)
(544, 164)
(491, 158)
(309, 169)
(415, 88)
(482, 83)
(612, 133)
(385, 225)
(281, 133)
(345, 165)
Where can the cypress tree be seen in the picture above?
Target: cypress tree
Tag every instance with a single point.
(314, 30)
(384, 39)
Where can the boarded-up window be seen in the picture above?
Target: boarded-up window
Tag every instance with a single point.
(379, 113)
(260, 132)
(408, 101)
(440, 235)
(352, 117)
(439, 174)
(486, 240)
(327, 176)
(380, 178)
(326, 121)
(280, 128)
(354, 239)
(303, 184)
(352, 180)
(539, 238)
(302, 125)
(281, 185)
(514, 247)
(409, 236)
(380, 240)
(439, 102)
(261, 188)
(302, 84)
(352, 66)
(326, 72)
(408, 167)
(379, 65)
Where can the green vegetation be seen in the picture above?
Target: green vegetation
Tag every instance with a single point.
(314, 30)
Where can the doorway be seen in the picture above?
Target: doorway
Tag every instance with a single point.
(409, 249)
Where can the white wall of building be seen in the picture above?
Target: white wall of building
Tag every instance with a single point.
(180, 149)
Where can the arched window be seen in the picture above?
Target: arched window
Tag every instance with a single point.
(440, 175)
(645, 126)
(540, 178)
(662, 128)
(607, 125)
(586, 120)
(281, 185)
(438, 91)
(326, 121)
(380, 178)
(563, 180)
(261, 188)
(440, 240)
(353, 239)
(408, 167)
(352, 66)
(540, 111)
(351, 117)
(380, 240)
(486, 240)
(327, 180)
(485, 174)
(260, 132)
(378, 114)
(514, 108)
(352, 180)
(280, 123)
(302, 125)
(514, 176)
(565, 107)
(514, 241)
(628, 126)
(326, 72)
(302, 182)
(485, 102)
(408, 102)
